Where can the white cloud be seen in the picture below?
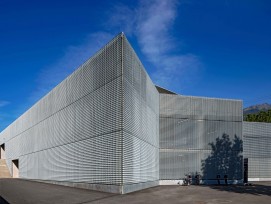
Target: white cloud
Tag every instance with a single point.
(3, 103)
(154, 21)
(151, 23)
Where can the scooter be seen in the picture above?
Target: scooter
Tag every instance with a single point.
(187, 180)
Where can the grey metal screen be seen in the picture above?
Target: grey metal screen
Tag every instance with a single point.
(98, 128)
(141, 124)
(74, 133)
(200, 135)
(257, 148)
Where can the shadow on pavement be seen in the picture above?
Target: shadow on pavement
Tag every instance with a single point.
(3, 201)
(254, 189)
(25, 191)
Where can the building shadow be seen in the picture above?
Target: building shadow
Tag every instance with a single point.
(3, 201)
(225, 160)
(258, 189)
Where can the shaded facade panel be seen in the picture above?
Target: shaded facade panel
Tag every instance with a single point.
(257, 149)
(163, 90)
(141, 125)
(200, 136)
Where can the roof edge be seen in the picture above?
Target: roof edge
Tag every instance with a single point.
(162, 90)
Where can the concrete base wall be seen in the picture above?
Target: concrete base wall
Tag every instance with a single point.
(128, 188)
(206, 182)
(97, 187)
(259, 179)
(170, 182)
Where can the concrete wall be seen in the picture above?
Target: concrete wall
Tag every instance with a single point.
(83, 132)
(200, 135)
(257, 148)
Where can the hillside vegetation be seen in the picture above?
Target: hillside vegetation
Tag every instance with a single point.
(262, 116)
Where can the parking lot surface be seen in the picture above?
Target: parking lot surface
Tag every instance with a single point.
(26, 192)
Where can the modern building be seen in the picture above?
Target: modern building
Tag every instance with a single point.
(200, 136)
(97, 129)
(257, 150)
(108, 127)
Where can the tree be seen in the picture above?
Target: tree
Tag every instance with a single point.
(262, 116)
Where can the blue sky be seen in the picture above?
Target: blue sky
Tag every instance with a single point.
(202, 48)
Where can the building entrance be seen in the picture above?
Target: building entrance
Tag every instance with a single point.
(245, 170)
(2, 151)
(15, 168)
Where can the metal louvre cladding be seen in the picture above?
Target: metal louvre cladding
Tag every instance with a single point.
(200, 135)
(106, 127)
(97, 129)
(257, 148)
(141, 124)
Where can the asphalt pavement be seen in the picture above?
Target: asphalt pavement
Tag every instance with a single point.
(17, 191)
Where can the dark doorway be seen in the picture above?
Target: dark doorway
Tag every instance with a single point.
(15, 168)
(245, 170)
(2, 151)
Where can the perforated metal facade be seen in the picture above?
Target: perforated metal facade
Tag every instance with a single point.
(141, 124)
(97, 129)
(257, 148)
(102, 127)
(200, 135)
